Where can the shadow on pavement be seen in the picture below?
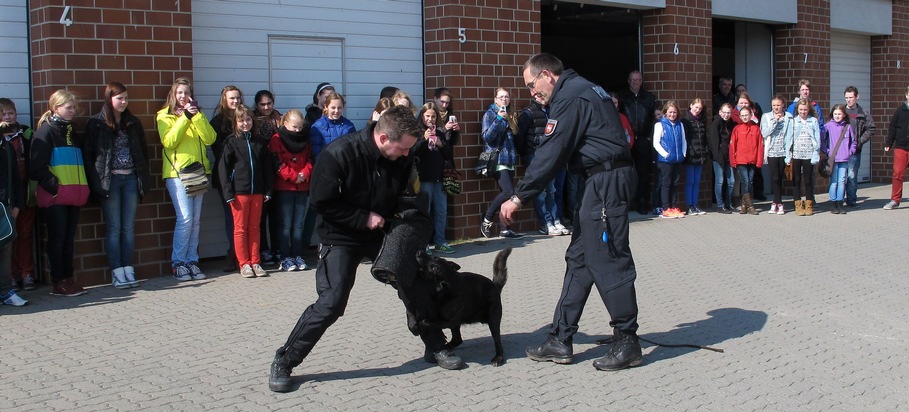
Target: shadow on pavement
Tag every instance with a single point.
(722, 325)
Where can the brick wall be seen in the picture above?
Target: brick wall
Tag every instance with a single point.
(501, 35)
(678, 59)
(889, 85)
(144, 44)
(810, 35)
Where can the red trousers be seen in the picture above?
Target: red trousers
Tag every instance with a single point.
(900, 159)
(23, 258)
(247, 211)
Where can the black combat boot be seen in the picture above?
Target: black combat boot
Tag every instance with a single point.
(552, 350)
(624, 353)
(445, 358)
(279, 376)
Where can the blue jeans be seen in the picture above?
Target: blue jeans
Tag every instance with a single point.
(189, 216)
(544, 204)
(292, 208)
(119, 210)
(855, 162)
(438, 205)
(692, 183)
(746, 174)
(723, 173)
(838, 181)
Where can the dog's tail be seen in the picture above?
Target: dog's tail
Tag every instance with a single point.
(500, 268)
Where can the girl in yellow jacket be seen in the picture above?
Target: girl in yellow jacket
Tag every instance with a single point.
(184, 131)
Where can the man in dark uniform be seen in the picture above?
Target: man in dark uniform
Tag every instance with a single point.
(584, 132)
(355, 187)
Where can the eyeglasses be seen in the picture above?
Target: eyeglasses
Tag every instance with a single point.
(534, 82)
(727, 112)
(503, 97)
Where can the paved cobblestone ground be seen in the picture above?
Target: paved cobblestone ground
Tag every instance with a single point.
(811, 312)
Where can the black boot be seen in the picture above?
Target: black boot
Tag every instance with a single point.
(279, 376)
(230, 262)
(624, 353)
(552, 350)
(446, 359)
(839, 205)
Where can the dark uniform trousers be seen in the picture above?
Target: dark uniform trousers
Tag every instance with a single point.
(591, 261)
(335, 276)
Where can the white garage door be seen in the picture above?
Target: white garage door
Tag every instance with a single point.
(14, 82)
(360, 46)
(850, 64)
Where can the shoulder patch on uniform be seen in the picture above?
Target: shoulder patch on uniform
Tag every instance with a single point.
(551, 126)
(602, 93)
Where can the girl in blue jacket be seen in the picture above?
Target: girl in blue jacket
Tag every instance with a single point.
(669, 143)
(331, 125)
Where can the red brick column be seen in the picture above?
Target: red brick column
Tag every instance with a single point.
(888, 83)
(678, 60)
(145, 45)
(678, 51)
(500, 36)
(811, 36)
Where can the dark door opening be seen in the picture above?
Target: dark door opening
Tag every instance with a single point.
(600, 43)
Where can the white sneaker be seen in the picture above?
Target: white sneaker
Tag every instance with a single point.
(247, 272)
(553, 231)
(118, 279)
(891, 205)
(195, 272)
(561, 228)
(13, 299)
(780, 209)
(259, 271)
(130, 273)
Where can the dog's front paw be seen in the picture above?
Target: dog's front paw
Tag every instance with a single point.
(499, 360)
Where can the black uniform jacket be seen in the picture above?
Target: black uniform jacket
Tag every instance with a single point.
(351, 178)
(583, 131)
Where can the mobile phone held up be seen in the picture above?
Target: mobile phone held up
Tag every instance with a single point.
(452, 119)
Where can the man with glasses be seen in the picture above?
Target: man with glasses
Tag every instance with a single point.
(639, 107)
(584, 131)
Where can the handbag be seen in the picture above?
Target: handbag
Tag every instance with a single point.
(788, 172)
(488, 161)
(825, 166)
(7, 226)
(193, 176)
(194, 179)
(451, 181)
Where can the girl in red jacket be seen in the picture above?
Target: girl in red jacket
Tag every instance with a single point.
(292, 157)
(746, 153)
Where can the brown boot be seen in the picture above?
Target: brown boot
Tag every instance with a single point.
(751, 210)
(746, 202)
(799, 207)
(809, 207)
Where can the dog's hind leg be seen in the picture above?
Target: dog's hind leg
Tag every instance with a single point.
(456, 339)
(495, 326)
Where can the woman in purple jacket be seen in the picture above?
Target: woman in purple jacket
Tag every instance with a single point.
(838, 128)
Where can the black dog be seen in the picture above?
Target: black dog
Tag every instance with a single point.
(464, 298)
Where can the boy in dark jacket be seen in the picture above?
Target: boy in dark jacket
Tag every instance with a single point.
(18, 137)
